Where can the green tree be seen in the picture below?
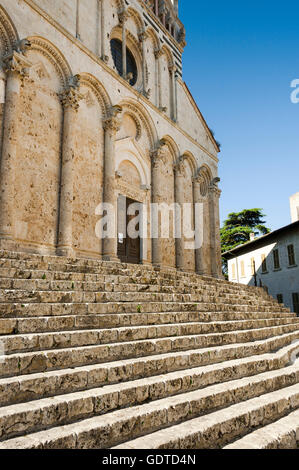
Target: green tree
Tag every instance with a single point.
(237, 228)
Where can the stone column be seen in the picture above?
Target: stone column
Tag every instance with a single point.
(142, 38)
(157, 160)
(172, 71)
(104, 57)
(70, 100)
(16, 68)
(214, 195)
(158, 53)
(157, 7)
(200, 265)
(111, 126)
(123, 16)
(2, 104)
(179, 177)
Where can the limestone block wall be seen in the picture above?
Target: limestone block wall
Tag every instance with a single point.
(72, 113)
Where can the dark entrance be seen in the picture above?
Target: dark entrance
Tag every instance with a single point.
(128, 249)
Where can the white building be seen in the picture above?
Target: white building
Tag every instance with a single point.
(271, 261)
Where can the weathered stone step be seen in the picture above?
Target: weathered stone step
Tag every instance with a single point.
(29, 309)
(283, 434)
(80, 296)
(57, 359)
(108, 291)
(54, 263)
(206, 432)
(118, 426)
(80, 322)
(214, 333)
(41, 385)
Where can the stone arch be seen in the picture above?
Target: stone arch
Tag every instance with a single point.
(189, 157)
(173, 147)
(53, 54)
(152, 34)
(140, 114)
(134, 46)
(8, 34)
(137, 19)
(98, 90)
(168, 55)
(205, 176)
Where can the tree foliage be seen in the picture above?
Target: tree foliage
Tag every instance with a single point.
(237, 228)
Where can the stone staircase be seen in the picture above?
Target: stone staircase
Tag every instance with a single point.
(108, 355)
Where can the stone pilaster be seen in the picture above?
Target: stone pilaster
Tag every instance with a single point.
(200, 264)
(157, 160)
(142, 39)
(172, 71)
(16, 67)
(104, 56)
(123, 15)
(70, 99)
(111, 126)
(179, 177)
(214, 195)
(158, 53)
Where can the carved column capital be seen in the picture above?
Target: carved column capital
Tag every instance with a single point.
(159, 154)
(158, 53)
(17, 63)
(213, 188)
(71, 96)
(142, 36)
(112, 121)
(123, 15)
(179, 167)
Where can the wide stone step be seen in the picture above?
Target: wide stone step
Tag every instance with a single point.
(118, 426)
(54, 263)
(55, 296)
(214, 430)
(56, 359)
(68, 307)
(212, 334)
(47, 384)
(117, 284)
(283, 434)
(81, 322)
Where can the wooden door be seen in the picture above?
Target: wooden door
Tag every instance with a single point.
(128, 248)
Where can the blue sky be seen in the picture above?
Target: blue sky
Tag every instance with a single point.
(239, 62)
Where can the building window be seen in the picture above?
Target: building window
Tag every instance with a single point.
(233, 271)
(116, 51)
(296, 302)
(264, 264)
(291, 255)
(242, 269)
(276, 259)
(280, 298)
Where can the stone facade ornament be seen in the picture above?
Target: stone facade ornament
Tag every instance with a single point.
(71, 96)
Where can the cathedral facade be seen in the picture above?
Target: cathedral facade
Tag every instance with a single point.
(95, 114)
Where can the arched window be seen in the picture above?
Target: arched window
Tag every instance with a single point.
(116, 50)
